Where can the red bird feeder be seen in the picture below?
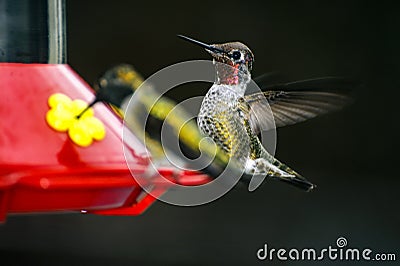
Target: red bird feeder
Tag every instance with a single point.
(45, 169)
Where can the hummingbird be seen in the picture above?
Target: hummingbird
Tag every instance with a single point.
(234, 120)
(116, 87)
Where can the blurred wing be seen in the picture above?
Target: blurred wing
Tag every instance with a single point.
(295, 102)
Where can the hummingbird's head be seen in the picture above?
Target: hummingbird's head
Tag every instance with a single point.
(235, 58)
(235, 54)
(122, 74)
(117, 83)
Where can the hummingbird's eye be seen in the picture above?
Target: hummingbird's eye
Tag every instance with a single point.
(236, 55)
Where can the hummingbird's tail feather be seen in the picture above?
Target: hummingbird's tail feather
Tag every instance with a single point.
(273, 168)
(297, 181)
(291, 177)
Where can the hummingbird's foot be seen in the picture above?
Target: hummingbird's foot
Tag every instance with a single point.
(250, 167)
(257, 167)
(260, 167)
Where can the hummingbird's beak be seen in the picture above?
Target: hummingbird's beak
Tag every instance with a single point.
(208, 47)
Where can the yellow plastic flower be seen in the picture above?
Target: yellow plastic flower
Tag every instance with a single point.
(63, 116)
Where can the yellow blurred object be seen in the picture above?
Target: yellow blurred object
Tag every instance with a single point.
(146, 116)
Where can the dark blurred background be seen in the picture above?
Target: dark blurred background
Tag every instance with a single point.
(351, 155)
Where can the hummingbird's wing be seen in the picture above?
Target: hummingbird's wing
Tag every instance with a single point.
(268, 78)
(286, 104)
